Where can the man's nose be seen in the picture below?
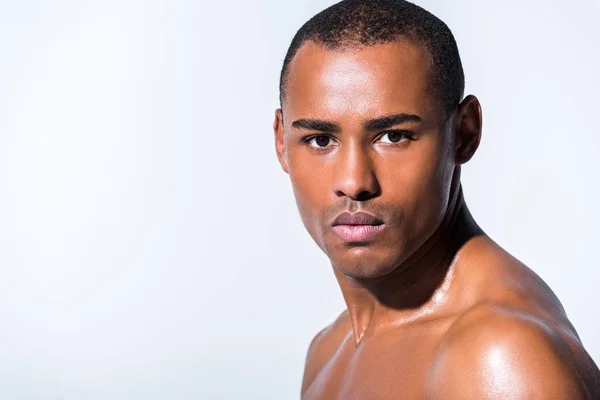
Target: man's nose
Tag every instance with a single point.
(354, 174)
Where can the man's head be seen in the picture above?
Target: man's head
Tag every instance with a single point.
(354, 23)
(371, 122)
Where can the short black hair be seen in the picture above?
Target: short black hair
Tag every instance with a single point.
(352, 23)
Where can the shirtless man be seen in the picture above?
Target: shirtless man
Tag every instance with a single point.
(373, 130)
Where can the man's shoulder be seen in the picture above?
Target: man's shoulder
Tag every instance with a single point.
(499, 287)
(323, 345)
(507, 351)
(488, 323)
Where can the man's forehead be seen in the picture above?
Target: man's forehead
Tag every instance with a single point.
(382, 78)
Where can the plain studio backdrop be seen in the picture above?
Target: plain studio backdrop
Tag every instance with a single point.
(150, 246)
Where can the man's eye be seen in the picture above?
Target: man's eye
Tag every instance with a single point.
(319, 141)
(394, 137)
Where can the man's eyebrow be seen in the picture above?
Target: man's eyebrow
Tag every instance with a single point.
(316, 125)
(390, 120)
(371, 124)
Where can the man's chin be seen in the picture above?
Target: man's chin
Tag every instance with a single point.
(359, 264)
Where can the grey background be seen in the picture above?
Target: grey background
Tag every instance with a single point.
(150, 247)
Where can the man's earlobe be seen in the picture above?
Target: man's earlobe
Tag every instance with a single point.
(468, 125)
(279, 139)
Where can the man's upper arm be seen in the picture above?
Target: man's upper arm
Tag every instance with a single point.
(504, 355)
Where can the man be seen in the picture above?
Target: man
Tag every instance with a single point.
(373, 130)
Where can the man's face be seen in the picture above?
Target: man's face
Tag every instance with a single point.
(362, 131)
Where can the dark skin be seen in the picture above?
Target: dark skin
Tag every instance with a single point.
(435, 308)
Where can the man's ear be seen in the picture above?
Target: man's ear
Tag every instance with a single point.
(279, 139)
(467, 128)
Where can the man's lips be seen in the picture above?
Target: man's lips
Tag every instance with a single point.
(357, 227)
(357, 233)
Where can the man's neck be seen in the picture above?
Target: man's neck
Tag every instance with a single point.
(418, 287)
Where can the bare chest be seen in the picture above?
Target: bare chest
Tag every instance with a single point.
(389, 368)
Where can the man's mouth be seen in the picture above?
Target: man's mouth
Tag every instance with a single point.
(357, 233)
(357, 227)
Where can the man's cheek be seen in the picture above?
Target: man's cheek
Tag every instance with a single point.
(307, 207)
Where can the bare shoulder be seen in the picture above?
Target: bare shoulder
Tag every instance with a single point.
(323, 345)
(497, 352)
(513, 340)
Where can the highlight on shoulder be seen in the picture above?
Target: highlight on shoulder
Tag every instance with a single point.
(502, 353)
